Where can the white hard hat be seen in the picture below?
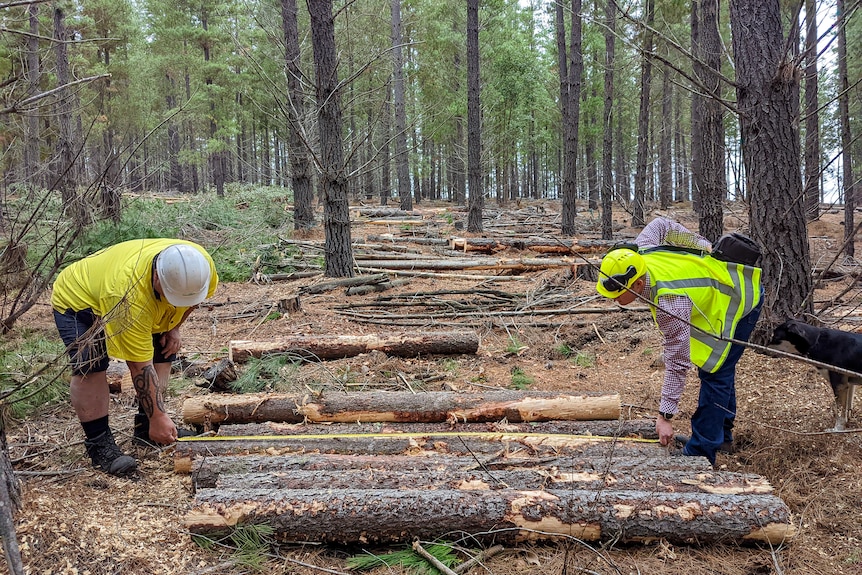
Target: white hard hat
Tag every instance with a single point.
(184, 274)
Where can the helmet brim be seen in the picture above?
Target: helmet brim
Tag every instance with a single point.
(179, 300)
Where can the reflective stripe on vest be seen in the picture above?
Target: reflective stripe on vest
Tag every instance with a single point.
(722, 293)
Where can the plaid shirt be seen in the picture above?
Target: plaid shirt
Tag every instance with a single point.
(675, 333)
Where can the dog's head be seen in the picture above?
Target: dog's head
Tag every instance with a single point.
(793, 336)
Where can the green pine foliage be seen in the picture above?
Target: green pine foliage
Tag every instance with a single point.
(407, 559)
(32, 373)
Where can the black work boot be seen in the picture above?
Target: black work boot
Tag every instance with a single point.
(141, 434)
(106, 456)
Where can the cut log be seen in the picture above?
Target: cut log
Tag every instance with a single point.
(422, 241)
(391, 406)
(656, 480)
(644, 428)
(119, 377)
(479, 444)
(383, 212)
(206, 471)
(362, 290)
(341, 346)
(511, 265)
(219, 376)
(330, 285)
(508, 516)
(541, 245)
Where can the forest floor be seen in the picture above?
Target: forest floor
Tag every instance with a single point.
(75, 520)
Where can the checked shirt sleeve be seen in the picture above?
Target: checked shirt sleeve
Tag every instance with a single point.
(662, 231)
(675, 347)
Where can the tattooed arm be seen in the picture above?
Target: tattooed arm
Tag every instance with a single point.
(149, 391)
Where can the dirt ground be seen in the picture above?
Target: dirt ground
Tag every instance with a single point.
(75, 520)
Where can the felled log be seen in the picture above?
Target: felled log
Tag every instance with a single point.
(218, 377)
(119, 377)
(341, 346)
(541, 245)
(382, 516)
(407, 239)
(330, 285)
(512, 265)
(656, 480)
(644, 428)
(391, 406)
(481, 444)
(383, 212)
(206, 471)
(366, 289)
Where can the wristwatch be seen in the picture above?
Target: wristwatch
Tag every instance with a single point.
(666, 416)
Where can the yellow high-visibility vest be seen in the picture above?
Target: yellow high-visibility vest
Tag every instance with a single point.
(721, 293)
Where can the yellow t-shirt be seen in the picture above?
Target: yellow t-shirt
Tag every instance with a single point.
(117, 284)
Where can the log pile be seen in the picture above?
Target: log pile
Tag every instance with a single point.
(500, 466)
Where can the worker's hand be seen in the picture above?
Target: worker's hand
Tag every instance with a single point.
(162, 429)
(171, 342)
(664, 428)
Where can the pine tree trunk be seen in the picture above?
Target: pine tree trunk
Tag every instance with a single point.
(336, 214)
(474, 128)
(644, 141)
(771, 154)
(812, 116)
(846, 136)
(710, 179)
(607, 123)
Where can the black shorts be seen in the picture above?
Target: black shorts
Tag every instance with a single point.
(86, 346)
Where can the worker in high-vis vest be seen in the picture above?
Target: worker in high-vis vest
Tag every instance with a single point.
(128, 301)
(696, 300)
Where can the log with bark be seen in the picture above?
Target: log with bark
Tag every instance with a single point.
(508, 516)
(644, 428)
(656, 480)
(206, 471)
(541, 245)
(333, 284)
(396, 406)
(509, 265)
(189, 449)
(341, 346)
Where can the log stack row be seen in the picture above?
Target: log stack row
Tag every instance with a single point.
(507, 466)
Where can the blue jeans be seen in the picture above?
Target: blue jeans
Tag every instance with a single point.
(712, 422)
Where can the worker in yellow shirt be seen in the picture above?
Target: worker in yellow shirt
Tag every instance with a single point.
(128, 301)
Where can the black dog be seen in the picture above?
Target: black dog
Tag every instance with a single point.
(831, 346)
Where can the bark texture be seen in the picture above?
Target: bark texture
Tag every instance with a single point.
(340, 346)
(188, 451)
(644, 428)
(766, 77)
(392, 406)
(391, 516)
(206, 471)
(333, 181)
